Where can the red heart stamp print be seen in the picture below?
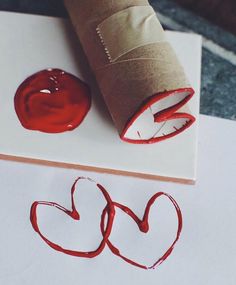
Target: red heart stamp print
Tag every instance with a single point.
(106, 228)
(73, 213)
(143, 225)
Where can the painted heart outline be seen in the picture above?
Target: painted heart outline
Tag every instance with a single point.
(144, 227)
(74, 214)
(106, 229)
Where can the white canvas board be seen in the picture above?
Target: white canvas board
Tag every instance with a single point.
(32, 43)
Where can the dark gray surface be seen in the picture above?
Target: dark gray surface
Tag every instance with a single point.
(42, 7)
(196, 23)
(218, 92)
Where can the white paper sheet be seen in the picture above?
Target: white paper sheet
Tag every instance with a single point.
(205, 253)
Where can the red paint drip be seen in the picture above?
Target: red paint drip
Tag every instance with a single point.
(74, 214)
(52, 101)
(109, 212)
(144, 227)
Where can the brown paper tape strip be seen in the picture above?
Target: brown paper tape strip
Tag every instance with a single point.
(135, 27)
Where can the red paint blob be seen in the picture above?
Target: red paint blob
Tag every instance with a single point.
(52, 101)
(73, 213)
(143, 226)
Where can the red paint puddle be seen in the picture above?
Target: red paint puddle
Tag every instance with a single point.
(52, 101)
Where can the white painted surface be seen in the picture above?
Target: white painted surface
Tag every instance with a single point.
(205, 253)
(32, 43)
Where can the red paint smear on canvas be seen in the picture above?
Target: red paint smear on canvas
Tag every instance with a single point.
(52, 101)
(109, 212)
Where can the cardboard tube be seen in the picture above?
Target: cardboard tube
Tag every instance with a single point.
(135, 67)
